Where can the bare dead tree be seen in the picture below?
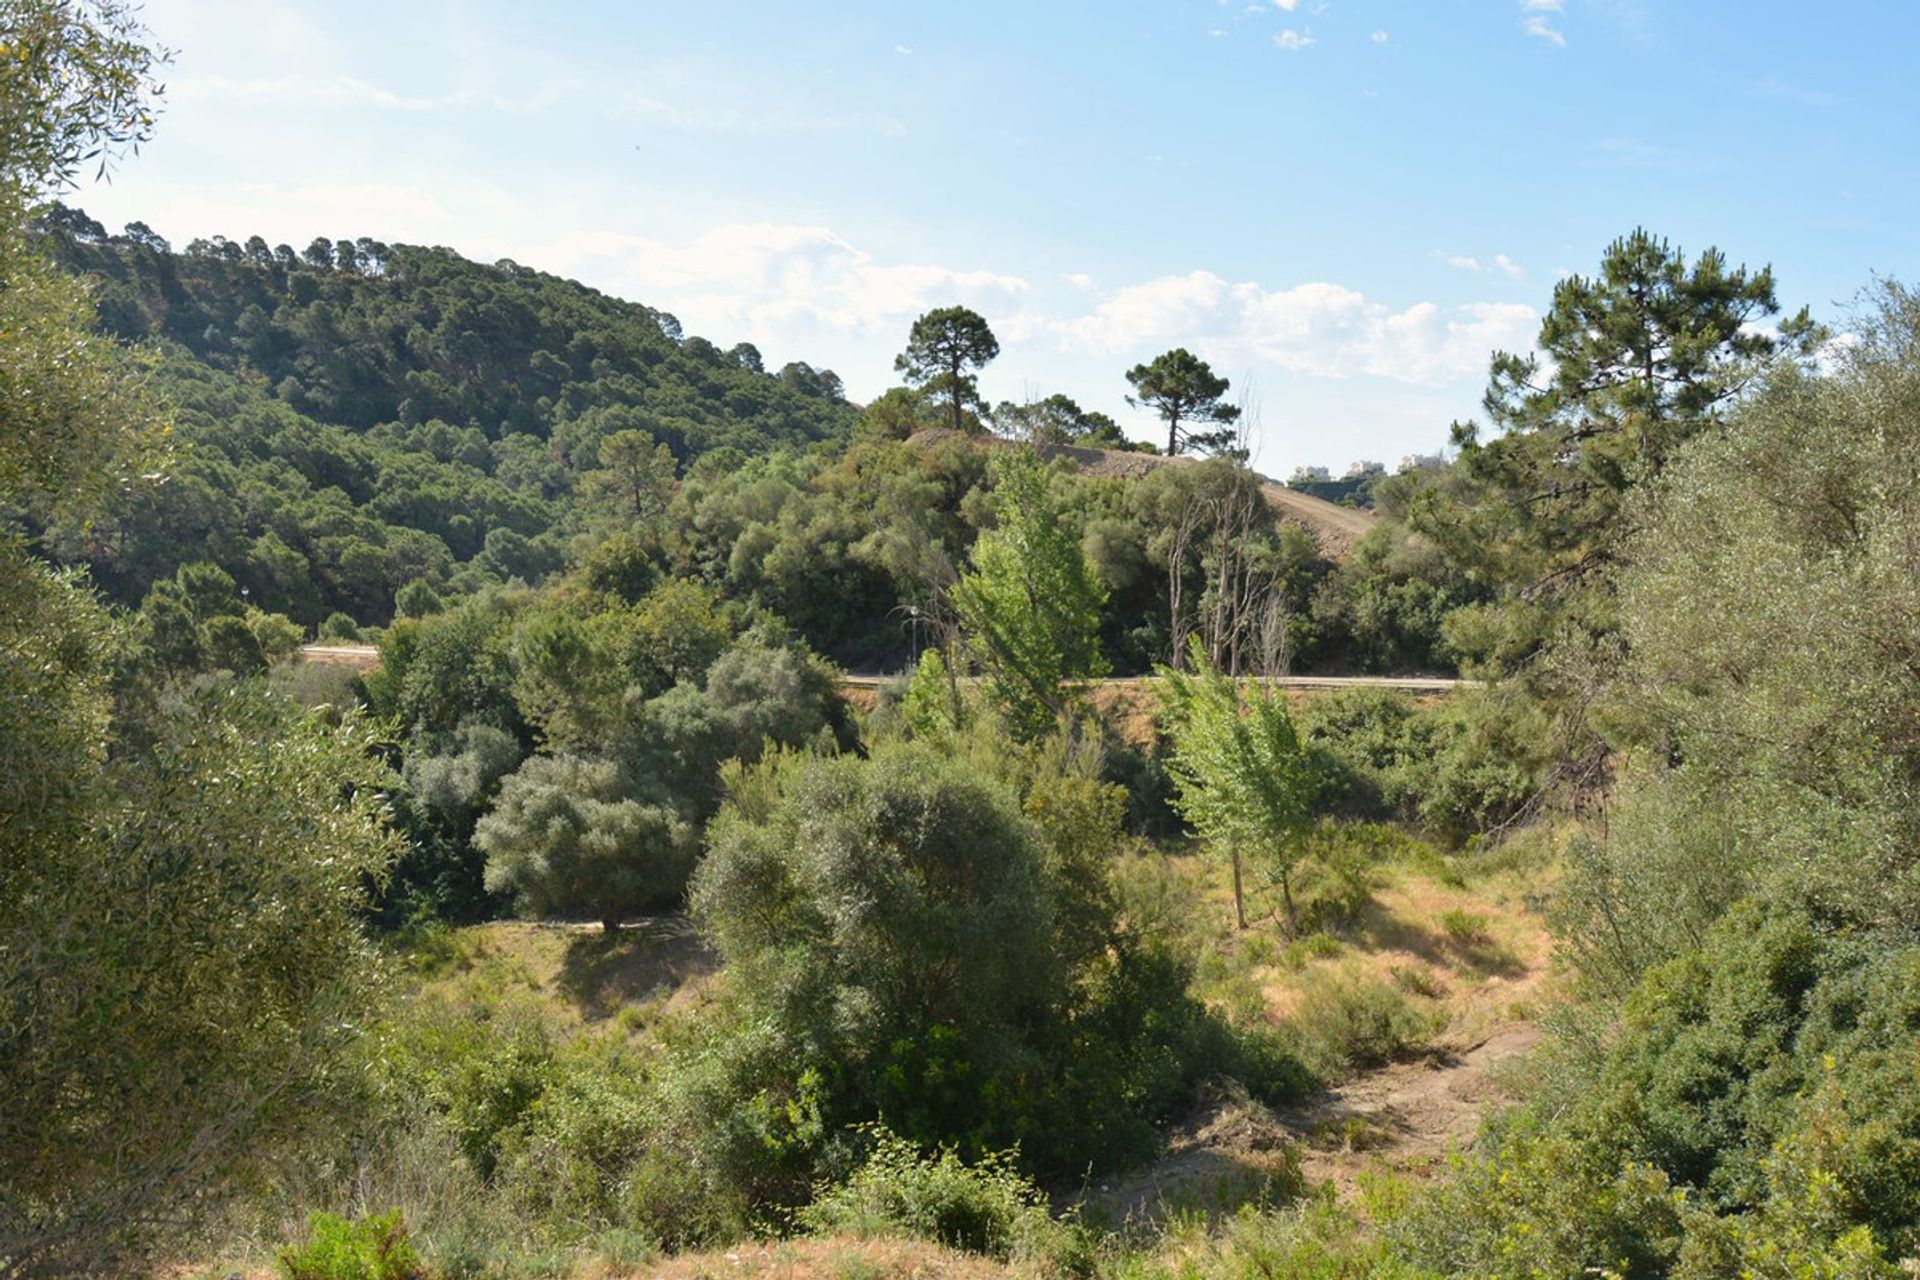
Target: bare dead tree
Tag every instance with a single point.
(1273, 631)
(1186, 529)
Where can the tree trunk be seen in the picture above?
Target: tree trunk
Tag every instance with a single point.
(955, 388)
(1173, 434)
(1286, 896)
(1239, 901)
(610, 925)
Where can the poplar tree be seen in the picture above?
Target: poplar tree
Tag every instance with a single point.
(1243, 776)
(1030, 605)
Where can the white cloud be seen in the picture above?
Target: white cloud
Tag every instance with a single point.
(1287, 6)
(1466, 262)
(1293, 41)
(1834, 353)
(906, 49)
(772, 282)
(1379, 37)
(1537, 20)
(1317, 329)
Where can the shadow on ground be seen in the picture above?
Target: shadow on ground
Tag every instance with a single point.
(602, 972)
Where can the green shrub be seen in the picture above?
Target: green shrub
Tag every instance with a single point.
(374, 1248)
(1345, 1022)
(1458, 769)
(1464, 926)
(985, 1207)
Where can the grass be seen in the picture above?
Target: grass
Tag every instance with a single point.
(1412, 945)
(578, 978)
(1464, 926)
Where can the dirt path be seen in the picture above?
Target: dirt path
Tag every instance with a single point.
(1335, 528)
(1406, 1117)
(1409, 1115)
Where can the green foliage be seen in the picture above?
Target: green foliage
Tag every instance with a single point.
(1756, 1101)
(936, 973)
(198, 621)
(1459, 769)
(1763, 709)
(416, 600)
(455, 667)
(568, 836)
(1644, 356)
(943, 347)
(933, 706)
(1058, 420)
(384, 413)
(1738, 1099)
(1349, 1023)
(1182, 388)
(911, 941)
(181, 876)
(224, 865)
(1384, 607)
(1030, 604)
(1245, 779)
(984, 1207)
(375, 1247)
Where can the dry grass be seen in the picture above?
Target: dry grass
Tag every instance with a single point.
(831, 1260)
(578, 975)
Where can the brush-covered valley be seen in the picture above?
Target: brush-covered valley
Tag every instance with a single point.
(500, 785)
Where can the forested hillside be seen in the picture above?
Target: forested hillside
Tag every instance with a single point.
(357, 416)
(359, 428)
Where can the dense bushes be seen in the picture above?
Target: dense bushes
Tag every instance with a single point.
(567, 837)
(898, 925)
(1737, 1097)
(1755, 1107)
(1457, 769)
(374, 1248)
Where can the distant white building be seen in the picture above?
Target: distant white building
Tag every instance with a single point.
(1310, 475)
(1364, 470)
(1422, 461)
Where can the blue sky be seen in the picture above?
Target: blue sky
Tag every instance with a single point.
(1344, 205)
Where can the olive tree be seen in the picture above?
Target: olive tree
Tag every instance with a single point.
(567, 836)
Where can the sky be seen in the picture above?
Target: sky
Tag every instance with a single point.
(1344, 206)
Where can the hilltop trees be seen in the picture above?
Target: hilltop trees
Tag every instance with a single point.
(942, 348)
(1059, 419)
(1183, 388)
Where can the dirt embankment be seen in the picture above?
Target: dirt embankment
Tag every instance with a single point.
(1334, 528)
